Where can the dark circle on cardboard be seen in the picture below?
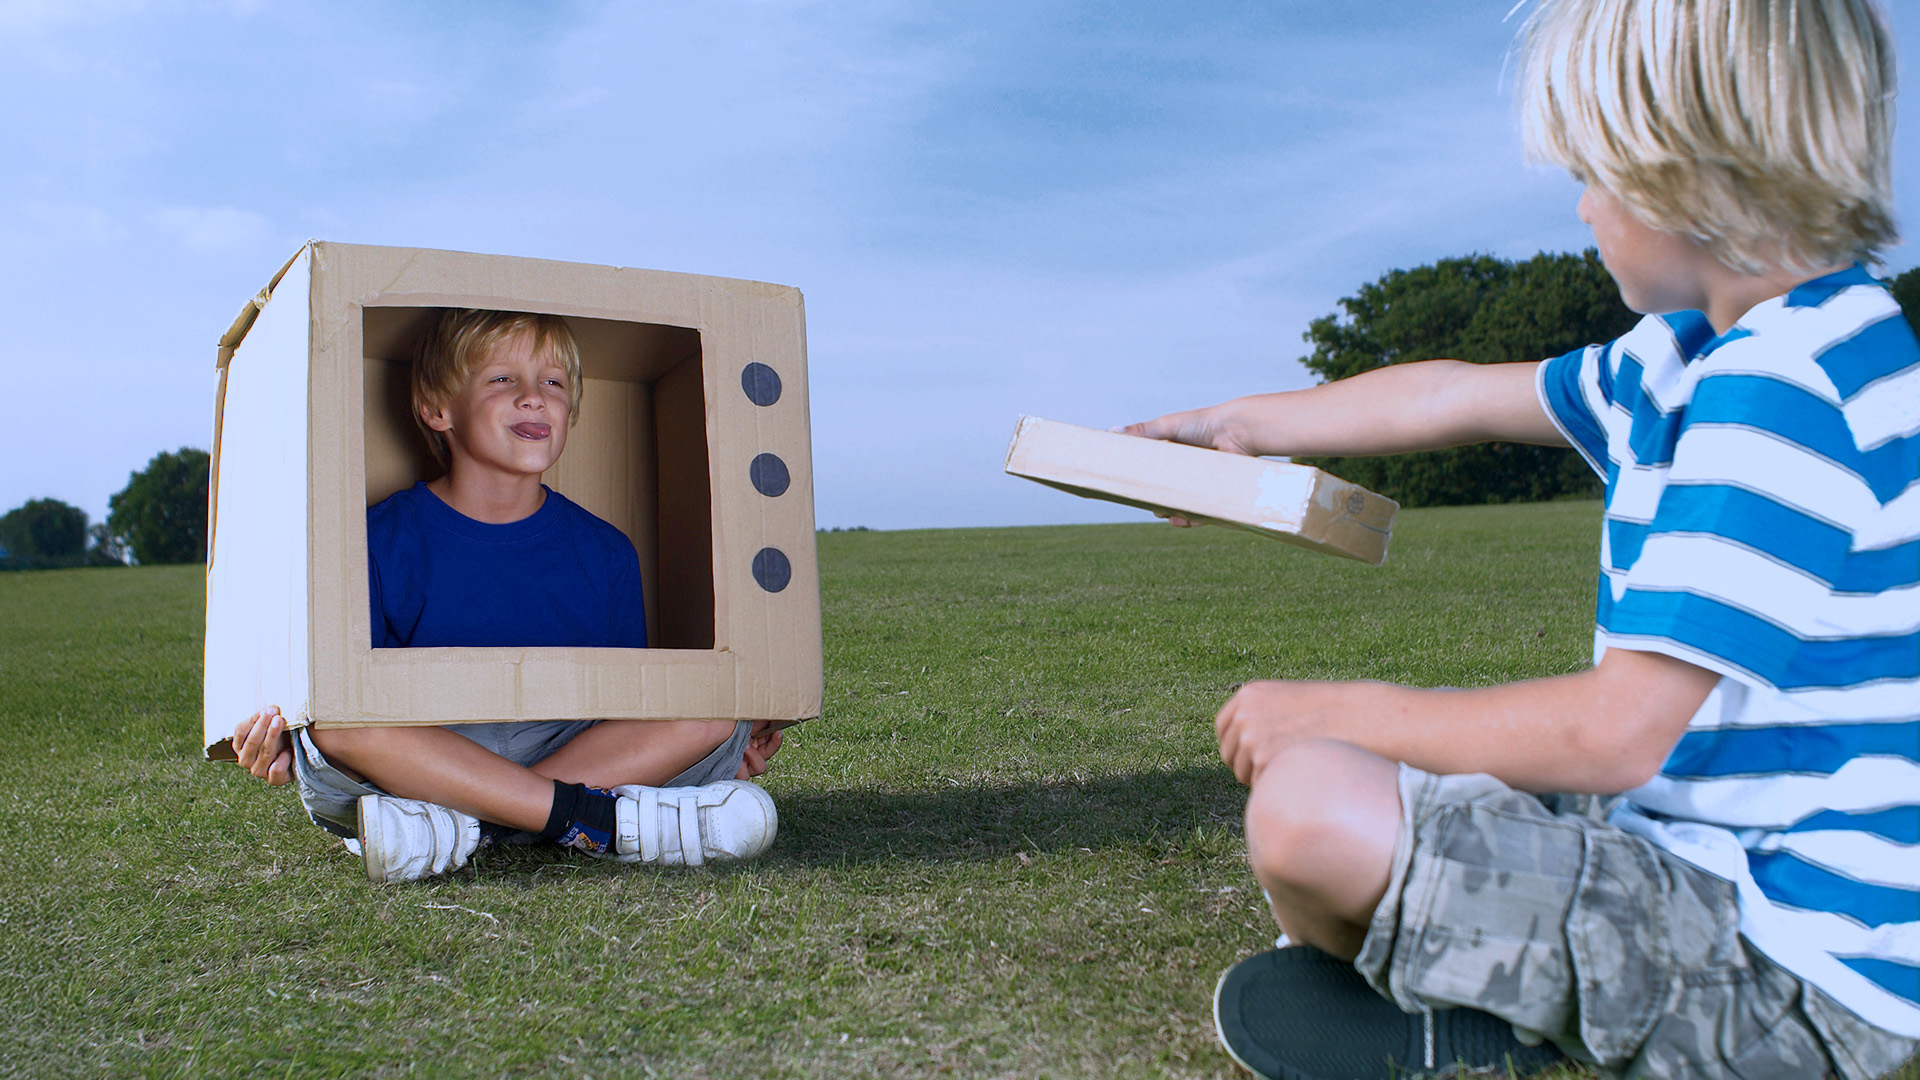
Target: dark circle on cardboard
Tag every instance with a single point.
(771, 569)
(1356, 502)
(769, 475)
(761, 383)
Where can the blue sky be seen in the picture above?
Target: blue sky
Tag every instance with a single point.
(1094, 212)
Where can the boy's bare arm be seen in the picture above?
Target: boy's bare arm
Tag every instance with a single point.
(1603, 730)
(1392, 410)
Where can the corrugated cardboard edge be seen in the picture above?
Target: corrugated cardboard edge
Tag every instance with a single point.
(1340, 518)
(250, 311)
(230, 343)
(1351, 520)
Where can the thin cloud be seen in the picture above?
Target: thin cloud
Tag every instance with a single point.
(213, 228)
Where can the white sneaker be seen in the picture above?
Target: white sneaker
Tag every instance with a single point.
(406, 840)
(686, 826)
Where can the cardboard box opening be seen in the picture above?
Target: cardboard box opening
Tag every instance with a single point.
(636, 457)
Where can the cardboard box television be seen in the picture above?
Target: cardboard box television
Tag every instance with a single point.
(693, 438)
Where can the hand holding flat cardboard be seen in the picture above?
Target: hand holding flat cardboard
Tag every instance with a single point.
(1194, 427)
(761, 745)
(261, 743)
(1390, 410)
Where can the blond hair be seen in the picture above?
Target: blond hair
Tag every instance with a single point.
(462, 339)
(1758, 128)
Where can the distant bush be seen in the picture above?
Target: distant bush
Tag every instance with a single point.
(44, 534)
(1486, 311)
(44, 528)
(161, 516)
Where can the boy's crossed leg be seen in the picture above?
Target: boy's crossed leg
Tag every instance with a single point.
(652, 791)
(1458, 897)
(1321, 823)
(444, 766)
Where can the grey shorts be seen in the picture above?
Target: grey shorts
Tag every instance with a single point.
(330, 795)
(1538, 911)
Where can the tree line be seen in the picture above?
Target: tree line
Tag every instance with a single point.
(1486, 311)
(1477, 308)
(159, 517)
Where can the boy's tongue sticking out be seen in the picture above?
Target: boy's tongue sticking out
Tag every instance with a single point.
(530, 430)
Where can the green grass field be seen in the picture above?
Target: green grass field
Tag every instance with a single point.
(1007, 849)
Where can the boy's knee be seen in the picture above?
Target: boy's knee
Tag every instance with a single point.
(336, 741)
(709, 734)
(1316, 806)
(345, 748)
(331, 740)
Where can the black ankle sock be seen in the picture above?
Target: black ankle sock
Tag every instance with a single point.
(582, 817)
(566, 797)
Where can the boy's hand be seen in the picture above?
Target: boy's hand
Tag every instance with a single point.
(761, 745)
(1194, 427)
(260, 742)
(1262, 719)
(1209, 428)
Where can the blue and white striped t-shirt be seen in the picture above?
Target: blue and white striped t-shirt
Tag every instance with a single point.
(1763, 521)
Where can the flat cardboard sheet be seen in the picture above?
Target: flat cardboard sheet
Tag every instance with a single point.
(1296, 504)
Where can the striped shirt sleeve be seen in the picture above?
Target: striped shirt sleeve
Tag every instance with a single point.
(1574, 394)
(1749, 564)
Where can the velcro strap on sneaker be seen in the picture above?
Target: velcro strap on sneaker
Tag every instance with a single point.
(692, 851)
(649, 825)
(626, 833)
(445, 831)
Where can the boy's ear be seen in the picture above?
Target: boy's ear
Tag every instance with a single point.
(435, 417)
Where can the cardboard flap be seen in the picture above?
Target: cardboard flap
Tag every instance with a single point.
(258, 528)
(250, 311)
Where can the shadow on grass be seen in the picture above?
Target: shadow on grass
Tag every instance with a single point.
(961, 824)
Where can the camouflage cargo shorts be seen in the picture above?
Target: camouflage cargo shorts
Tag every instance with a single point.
(1538, 911)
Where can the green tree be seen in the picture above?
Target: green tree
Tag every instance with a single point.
(1483, 310)
(43, 531)
(1906, 289)
(161, 517)
(104, 548)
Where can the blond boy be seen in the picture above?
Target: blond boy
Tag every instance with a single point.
(487, 555)
(1744, 897)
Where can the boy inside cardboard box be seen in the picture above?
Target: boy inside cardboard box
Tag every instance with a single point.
(484, 567)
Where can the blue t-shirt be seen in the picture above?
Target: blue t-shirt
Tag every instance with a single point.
(561, 577)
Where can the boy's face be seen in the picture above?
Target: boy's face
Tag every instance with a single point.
(1658, 272)
(511, 416)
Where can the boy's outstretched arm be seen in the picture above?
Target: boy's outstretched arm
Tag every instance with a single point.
(1602, 731)
(1391, 410)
